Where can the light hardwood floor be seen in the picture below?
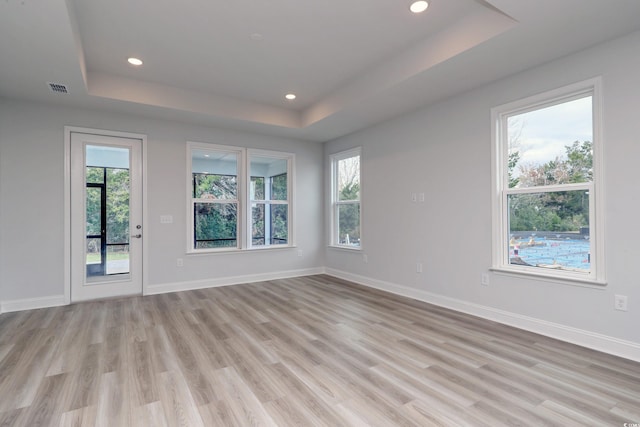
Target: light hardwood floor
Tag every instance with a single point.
(313, 351)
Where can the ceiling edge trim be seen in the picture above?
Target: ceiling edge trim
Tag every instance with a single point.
(468, 33)
(136, 91)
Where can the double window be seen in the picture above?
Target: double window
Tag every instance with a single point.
(239, 198)
(345, 199)
(546, 200)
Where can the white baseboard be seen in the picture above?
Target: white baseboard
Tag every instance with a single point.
(164, 288)
(32, 303)
(55, 301)
(595, 341)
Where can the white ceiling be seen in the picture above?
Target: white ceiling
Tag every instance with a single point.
(352, 63)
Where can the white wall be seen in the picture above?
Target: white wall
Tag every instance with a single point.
(444, 151)
(31, 201)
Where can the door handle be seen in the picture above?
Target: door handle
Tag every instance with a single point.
(137, 236)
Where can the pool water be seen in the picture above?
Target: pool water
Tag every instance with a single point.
(572, 253)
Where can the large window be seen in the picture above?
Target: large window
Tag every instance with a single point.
(239, 198)
(215, 198)
(345, 198)
(546, 218)
(269, 198)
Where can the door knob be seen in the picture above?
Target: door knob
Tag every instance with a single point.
(137, 236)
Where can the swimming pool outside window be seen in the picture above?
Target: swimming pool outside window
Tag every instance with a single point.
(546, 154)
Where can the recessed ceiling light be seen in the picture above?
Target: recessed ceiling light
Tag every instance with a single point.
(134, 61)
(256, 36)
(290, 96)
(418, 6)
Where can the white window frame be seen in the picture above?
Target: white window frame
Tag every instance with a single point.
(243, 226)
(336, 203)
(289, 158)
(501, 190)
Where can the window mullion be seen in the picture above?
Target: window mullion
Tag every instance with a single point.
(549, 188)
(216, 201)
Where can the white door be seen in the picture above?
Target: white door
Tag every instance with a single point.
(106, 216)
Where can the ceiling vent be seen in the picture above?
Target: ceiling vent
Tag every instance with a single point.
(58, 87)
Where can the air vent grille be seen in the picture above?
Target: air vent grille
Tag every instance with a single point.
(58, 87)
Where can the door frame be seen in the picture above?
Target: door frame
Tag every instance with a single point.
(68, 130)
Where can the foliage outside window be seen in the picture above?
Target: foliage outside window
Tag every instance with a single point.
(215, 210)
(108, 239)
(345, 168)
(546, 181)
(239, 198)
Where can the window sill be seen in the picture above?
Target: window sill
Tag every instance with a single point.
(551, 278)
(227, 251)
(346, 248)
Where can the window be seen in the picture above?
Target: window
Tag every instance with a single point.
(269, 198)
(215, 198)
(239, 198)
(546, 218)
(345, 199)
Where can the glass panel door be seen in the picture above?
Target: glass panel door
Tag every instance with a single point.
(106, 216)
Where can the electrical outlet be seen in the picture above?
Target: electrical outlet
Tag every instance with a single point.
(365, 258)
(484, 279)
(419, 267)
(621, 302)
(180, 262)
(300, 253)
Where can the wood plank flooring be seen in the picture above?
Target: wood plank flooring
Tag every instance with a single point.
(313, 351)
